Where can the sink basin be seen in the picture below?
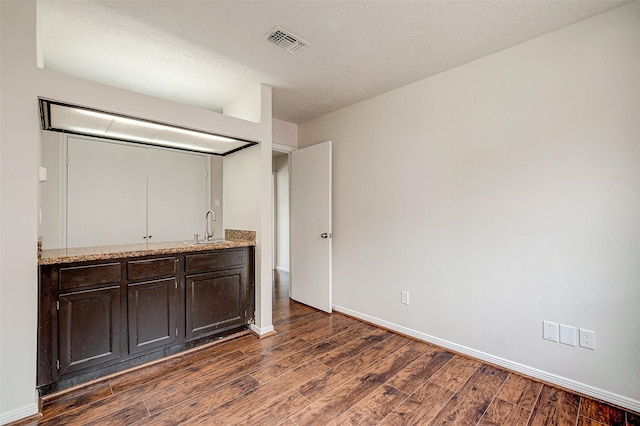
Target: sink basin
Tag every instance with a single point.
(202, 242)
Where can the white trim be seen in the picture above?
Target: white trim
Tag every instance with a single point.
(282, 148)
(281, 269)
(19, 414)
(261, 331)
(601, 394)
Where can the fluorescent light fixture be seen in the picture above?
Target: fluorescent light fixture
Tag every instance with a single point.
(61, 117)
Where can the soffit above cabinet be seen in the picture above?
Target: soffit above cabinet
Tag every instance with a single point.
(61, 117)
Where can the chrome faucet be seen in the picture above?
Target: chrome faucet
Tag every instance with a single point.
(208, 235)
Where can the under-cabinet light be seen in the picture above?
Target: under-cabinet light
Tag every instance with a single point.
(77, 120)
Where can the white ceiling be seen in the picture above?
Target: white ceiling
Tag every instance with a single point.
(205, 52)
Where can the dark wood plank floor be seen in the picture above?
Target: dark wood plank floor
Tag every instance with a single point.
(323, 370)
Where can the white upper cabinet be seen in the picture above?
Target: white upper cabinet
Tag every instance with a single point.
(121, 194)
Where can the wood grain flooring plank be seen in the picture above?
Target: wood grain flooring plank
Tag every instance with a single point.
(54, 405)
(339, 355)
(468, 405)
(350, 368)
(269, 343)
(455, 373)
(338, 324)
(373, 408)
(162, 370)
(298, 329)
(184, 388)
(339, 400)
(520, 390)
(412, 377)
(585, 421)
(602, 413)
(254, 400)
(503, 413)
(88, 413)
(180, 382)
(280, 351)
(277, 367)
(555, 407)
(186, 410)
(125, 416)
(277, 411)
(29, 421)
(420, 407)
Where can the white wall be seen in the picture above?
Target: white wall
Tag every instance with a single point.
(19, 147)
(247, 204)
(500, 194)
(281, 169)
(22, 82)
(242, 173)
(217, 179)
(285, 133)
(50, 229)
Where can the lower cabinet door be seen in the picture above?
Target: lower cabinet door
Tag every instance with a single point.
(88, 328)
(215, 301)
(152, 314)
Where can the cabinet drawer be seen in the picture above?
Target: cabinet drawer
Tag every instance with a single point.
(151, 268)
(86, 276)
(224, 259)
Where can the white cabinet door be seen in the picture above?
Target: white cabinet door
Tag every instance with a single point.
(178, 197)
(106, 193)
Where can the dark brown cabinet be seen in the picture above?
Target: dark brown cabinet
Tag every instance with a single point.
(88, 328)
(99, 317)
(151, 314)
(214, 302)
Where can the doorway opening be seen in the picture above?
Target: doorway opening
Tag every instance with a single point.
(280, 216)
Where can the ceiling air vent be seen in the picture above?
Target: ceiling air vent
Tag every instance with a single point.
(286, 40)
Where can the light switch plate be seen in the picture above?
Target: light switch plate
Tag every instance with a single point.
(550, 331)
(567, 335)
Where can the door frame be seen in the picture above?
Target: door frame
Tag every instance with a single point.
(287, 150)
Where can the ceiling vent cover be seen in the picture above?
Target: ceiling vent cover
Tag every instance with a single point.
(286, 40)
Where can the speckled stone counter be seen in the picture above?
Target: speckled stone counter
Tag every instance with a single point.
(81, 254)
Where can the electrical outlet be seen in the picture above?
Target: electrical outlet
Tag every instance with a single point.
(550, 331)
(404, 297)
(587, 339)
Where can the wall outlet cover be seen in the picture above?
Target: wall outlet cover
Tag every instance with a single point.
(587, 339)
(404, 297)
(550, 331)
(567, 335)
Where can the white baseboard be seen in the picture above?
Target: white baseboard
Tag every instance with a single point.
(261, 331)
(20, 413)
(600, 394)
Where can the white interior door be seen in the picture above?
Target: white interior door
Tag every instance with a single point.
(106, 193)
(311, 226)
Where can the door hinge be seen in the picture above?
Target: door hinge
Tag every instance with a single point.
(57, 305)
(176, 331)
(176, 285)
(57, 364)
(66, 160)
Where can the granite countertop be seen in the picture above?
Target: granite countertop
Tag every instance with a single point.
(81, 254)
